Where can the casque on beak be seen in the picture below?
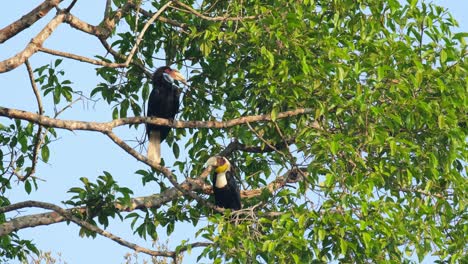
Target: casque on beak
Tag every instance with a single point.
(176, 75)
(213, 161)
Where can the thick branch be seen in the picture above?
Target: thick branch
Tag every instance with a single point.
(33, 46)
(69, 216)
(152, 201)
(80, 25)
(27, 20)
(108, 126)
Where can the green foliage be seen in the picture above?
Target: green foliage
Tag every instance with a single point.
(11, 245)
(49, 79)
(99, 199)
(385, 147)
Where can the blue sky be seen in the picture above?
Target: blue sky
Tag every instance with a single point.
(87, 154)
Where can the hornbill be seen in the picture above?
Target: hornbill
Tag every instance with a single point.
(225, 188)
(164, 103)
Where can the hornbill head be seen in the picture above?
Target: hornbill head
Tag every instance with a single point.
(221, 164)
(170, 74)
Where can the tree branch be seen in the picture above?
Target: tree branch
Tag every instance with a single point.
(143, 31)
(81, 58)
(38, 138)
(152, 201)
(27, 20)
(169, 175)
(33, 46)
(108, 126)
(200, 15)
(161, 18)
(67, 214)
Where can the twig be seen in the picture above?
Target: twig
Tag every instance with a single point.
(143, 31)
(69, 8)
(81, 58)
(265, 141)
(122, 57)
(38, 138)
(198, 14)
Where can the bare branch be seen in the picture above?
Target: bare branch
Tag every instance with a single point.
(107, 10)
(80, 25)
(27, 20)
(143, 31)
(34, 87)
(70, 6)
(122, 57)
(108, 126)
(81, 58)
(163, 19)
(38, 138)
(33, 46)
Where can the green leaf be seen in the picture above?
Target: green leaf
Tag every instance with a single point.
(274, 114)
(176, 150)
(27, 187)
(460, 35)
(45, 153)
(57, 62)
(115, 113)
(443, 56)
(441, 121)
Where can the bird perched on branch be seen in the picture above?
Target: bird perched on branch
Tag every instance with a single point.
(164, 103)
(225, 188)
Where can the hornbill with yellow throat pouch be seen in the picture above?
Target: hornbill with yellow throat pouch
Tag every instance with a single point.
(225, 188)
(164, 103)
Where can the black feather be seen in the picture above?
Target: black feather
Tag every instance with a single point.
(163, 101)
(229, 195)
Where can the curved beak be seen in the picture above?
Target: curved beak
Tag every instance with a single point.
(213, 161)
(176, 75)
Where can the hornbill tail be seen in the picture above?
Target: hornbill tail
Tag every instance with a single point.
(154, 146)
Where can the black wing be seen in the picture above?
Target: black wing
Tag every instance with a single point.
(228, 196)
(163, 102)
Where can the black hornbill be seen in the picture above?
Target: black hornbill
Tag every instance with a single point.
(164, 103)
(225, 188)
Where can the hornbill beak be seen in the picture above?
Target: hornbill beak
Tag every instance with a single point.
(221, 164)
(176, 75)
(213, 161)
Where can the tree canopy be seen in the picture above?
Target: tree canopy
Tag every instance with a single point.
(345, 120)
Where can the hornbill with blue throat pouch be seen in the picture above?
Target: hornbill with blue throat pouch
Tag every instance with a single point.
(225, 188)
(164, 103)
